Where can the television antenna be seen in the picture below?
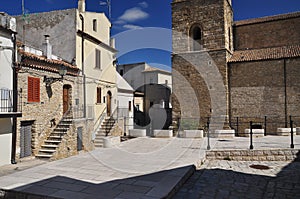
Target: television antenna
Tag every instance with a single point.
(108, 4)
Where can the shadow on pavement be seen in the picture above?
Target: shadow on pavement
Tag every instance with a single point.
(155, 185)
(220, 183)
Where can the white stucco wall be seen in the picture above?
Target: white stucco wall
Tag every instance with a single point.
(6, 63)
(5, 141)
(105, 77)
(6, 76)
(162, 79)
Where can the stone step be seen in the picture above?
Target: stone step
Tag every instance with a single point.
(99, 141)
(99, 145)
(55, 136)
(47, 150)
(49, 146)
(44, 156)
(53, 141)
(64, 125)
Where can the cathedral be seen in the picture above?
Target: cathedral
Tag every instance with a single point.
(234, 72)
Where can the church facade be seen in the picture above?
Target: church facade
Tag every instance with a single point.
(227, 70)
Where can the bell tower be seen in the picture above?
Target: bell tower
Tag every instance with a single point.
(202, 45)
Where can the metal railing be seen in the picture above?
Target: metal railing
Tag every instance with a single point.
(78, 112)
(6, 101)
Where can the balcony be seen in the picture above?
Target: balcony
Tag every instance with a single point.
(6, 104)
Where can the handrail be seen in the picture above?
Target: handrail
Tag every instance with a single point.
(111, 118)
(100, 120)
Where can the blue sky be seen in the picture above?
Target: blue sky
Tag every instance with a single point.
(128, 15)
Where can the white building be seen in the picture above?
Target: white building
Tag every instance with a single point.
(125, 104)
(152, 87)
(8, 112)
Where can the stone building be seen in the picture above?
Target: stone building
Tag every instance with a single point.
(82, 38)
(223, 69)
(49, 88)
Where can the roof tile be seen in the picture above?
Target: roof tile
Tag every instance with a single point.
(266, 54)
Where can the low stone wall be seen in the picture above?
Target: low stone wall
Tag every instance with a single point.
(285, 131)
(256, 132)
(192, 134)
(254, 155)
(163, 133)
(223, 134)
(298, 131)
(137, 132)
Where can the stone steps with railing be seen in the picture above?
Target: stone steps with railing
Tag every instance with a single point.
(52, 142)
(104, 131)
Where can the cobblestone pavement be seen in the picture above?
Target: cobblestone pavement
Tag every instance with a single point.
(235, 179)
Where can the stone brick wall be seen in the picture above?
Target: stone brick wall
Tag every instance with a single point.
(267, 34)
(254, 155)
(211, 16)
(257, 89)
(40, 113)
(200, 77)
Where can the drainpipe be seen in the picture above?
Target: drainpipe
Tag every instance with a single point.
(15, 101)
(82, 65)
(285, 93)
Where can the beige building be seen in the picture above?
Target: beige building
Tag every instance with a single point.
(83, 39)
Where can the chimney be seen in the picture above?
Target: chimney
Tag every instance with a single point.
(81, 6)
(47, 47)
(112, 42)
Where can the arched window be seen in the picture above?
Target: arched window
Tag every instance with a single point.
(196, 38)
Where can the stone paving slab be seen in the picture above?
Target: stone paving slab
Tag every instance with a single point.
(120, 172)
(138, 168)
(235, 179)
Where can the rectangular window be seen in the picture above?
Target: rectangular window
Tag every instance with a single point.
(129, 106)
(98, 59)
(95, 25)
(98, 95)
(33, 89)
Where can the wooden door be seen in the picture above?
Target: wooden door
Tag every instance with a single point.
(108, 104)
(66, 99)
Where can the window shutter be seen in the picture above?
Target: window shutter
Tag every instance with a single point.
(98, 95)
(33, 89)
(37, 90)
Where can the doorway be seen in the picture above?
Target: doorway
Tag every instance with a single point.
(25, 139)
(66, 98)
(108, 103)
(79, 138)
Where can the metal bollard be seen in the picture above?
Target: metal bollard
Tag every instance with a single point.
(208, 145)
(265, 125)
(251, 134)
(292, 134)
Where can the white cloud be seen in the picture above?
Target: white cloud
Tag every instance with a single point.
(131, 27)
(134, 14)
(143, 4)
(119, 22)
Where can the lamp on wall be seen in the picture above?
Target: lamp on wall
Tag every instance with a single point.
(62, 72)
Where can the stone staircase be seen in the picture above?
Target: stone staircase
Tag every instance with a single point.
(104, 131)
(50, 145)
